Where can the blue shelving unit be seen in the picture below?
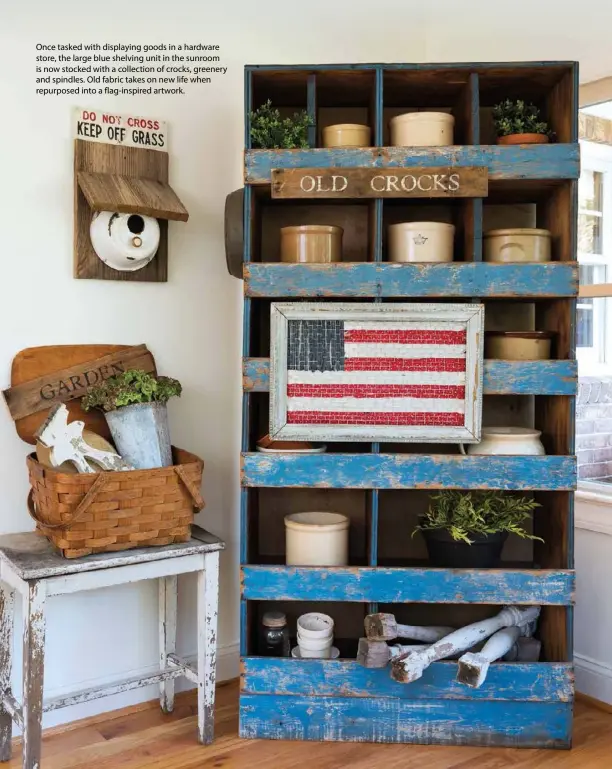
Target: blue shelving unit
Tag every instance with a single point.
(526, 705)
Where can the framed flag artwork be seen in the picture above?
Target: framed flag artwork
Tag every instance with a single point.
(376, 372)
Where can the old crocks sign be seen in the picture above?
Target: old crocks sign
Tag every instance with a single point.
(439, 182)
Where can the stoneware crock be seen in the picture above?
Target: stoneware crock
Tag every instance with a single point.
(346, 135)
(316, 539)
(517, 244)
(507, 440)
(311, 243)
(518, 345)
(421, 242)
(422, 129)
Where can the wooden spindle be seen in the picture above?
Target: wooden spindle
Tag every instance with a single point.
(411, 669)
(474, 666)
(383, 627)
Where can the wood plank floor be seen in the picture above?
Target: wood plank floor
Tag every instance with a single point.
(142, 737)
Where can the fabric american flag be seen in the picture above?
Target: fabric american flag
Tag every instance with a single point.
(376, 373)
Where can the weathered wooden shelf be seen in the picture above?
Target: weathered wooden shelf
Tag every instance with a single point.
(501, 377)
(509, 681)
(389, 280)
(408, 471)
(374, 719)
(549, 161)
(408, 585)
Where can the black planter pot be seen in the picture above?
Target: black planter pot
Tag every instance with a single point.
(484, 552)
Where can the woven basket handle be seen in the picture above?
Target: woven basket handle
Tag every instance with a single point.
(78, 513)
(194, 491)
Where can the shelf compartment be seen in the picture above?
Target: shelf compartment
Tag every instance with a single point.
(405, 471)
(509, 681)
(543, 161)
(416, 585)
(443, 722)
(362, 280)
(501, 377)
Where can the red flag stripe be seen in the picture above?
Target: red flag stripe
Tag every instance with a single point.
(374, 391)
(442, 419)
(398, 336)
(404, 364)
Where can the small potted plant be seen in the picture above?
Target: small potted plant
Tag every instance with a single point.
(134, 404)
(518, 122)
(469, 528)
(270, 131)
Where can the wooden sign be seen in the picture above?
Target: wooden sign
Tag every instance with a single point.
(67, 384)
(125, 130)
(442, 182)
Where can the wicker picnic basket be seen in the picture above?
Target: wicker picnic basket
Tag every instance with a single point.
(110, 511)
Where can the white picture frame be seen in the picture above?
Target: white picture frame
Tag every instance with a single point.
(453, 316)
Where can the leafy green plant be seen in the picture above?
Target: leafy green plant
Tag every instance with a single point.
(270, 131)
(519, 117)
(463, 513)
(133, 386)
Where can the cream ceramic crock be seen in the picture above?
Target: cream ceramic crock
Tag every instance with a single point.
(507, 440)
(311, 243)
(316, 539)
(518, 345)
(421, 242)
(518, 244)
(346, 135)
(422, 129)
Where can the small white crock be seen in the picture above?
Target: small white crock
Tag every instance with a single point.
(316, 539)
(422, 129)
(421, 242)
(497, 441)
(315, 625)
(296, 654)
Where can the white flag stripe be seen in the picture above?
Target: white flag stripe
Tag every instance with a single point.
(374, 377)
(401, 405)
(382, 325)
(381, 350)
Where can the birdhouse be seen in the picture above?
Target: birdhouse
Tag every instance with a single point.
(123, 200)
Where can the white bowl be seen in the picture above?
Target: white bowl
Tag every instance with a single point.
(315, 625)
(333, 654)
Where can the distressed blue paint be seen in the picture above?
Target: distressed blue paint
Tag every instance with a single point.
(244, 627)
(368, 279)
(373, 534)
(248, 106)
(501, 377)
(372, 719)
(408, 585)
(379, 97)
(537, 682)
(474, 97)
(541, 161)
(311, 108)
(408, 471)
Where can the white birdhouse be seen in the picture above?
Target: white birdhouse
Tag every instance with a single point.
(125, 242)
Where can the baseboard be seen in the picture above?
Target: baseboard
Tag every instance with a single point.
(593, 703)
(593, 679)
(592, 512)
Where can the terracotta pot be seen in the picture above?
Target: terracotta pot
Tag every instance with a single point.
(316, 539)
(523, 139)
(346, 135)
(421, 242)
(422, 129)
(519, 244)
(311, 243)
(518, 345)
(498, 441)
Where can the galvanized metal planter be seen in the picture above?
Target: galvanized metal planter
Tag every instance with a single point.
(141, 434)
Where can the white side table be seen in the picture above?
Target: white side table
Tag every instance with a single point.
(32, 568)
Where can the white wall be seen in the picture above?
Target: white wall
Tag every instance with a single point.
(192, 323)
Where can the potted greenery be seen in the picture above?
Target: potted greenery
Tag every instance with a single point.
(269, 131)
(518, 122)
(469, 528)
(134, 404)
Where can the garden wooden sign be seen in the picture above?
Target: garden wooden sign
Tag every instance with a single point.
(437, 182)
(376, 372)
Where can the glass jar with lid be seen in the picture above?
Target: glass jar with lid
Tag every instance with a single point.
(274, 635)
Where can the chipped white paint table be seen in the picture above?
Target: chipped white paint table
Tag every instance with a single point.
(30, 567)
